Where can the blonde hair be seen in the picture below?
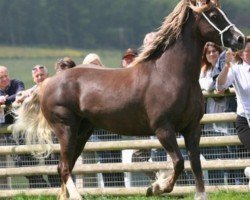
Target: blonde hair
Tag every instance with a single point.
(90, 58)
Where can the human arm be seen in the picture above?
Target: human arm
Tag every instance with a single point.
(22, 95)
(16, 86)
(3, 99)
(224, 79)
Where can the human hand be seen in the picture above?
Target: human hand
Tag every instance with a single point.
(3, 99)
(19, 97)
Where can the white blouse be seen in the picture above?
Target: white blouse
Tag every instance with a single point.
(239, 76)
(206, 81)
(214, 105)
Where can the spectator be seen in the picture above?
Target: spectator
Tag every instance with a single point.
(233, 151)
(64, 63)
(39, 74)
(213, 105)
(110, 179)
(94, 59)
(149, 38)
(128, 57)
(61, 65)
(142, 155)
(221, 104)
(8, 91)
(237, 72)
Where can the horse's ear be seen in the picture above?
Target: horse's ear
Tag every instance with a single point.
(216, 2)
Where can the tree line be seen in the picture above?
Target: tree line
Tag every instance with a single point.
(114, 24)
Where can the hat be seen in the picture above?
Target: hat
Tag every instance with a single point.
(130, 52)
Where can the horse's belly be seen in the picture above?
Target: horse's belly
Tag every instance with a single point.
(124, 126)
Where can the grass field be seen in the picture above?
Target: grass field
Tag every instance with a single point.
(20, 60)
(221, 195)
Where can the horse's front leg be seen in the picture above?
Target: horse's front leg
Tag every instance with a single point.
(192, 140)
(164, 184)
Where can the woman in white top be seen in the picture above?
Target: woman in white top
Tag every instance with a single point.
(238, 74)
(210, 57)
(213, 105)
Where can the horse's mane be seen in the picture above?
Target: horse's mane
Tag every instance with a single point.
(166, 35)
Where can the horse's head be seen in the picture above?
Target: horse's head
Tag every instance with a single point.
(214, 25)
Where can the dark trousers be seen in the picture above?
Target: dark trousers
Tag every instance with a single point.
(243, 131)
(143, 155)
(37, 181)
(54, 180)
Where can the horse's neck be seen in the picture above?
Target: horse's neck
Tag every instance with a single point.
(190, 48)
(182, 61)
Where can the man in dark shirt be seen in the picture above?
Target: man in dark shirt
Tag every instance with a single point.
(8, 90)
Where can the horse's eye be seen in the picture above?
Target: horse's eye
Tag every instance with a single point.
(213, 16)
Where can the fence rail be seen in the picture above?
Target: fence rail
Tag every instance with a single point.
(122, 145)
(123, 167)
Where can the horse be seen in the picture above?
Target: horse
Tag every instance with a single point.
(158, 95)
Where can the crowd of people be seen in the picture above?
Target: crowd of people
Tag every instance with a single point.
(220, 70)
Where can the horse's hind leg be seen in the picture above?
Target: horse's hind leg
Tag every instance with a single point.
(192, 140)
(167, 138)
(72, 140)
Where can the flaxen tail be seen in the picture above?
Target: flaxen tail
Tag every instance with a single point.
(32, 127)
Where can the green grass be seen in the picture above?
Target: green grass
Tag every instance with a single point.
(20, 60)
(220, 195)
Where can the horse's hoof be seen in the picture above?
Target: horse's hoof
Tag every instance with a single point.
(200, 196)
(149, 192)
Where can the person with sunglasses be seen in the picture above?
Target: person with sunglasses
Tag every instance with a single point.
(39, 74)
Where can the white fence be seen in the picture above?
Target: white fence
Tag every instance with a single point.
(9, 173)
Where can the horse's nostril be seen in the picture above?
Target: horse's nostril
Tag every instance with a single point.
(240, 40)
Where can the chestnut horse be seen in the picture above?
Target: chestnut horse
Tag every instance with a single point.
(160, 94)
